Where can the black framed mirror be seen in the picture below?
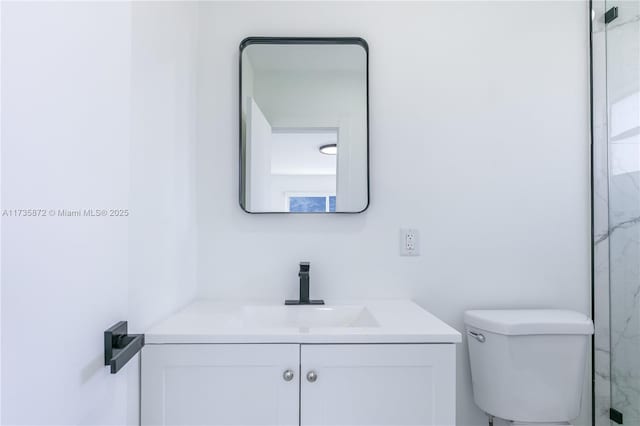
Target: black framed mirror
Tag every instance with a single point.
(304, 125)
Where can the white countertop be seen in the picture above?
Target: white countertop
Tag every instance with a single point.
(387, 321)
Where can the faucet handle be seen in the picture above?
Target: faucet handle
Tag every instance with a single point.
(304, 266)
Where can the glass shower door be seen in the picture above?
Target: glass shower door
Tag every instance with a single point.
(623, 104)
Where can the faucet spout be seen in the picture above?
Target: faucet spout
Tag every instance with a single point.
(304, 282)
(303, 274)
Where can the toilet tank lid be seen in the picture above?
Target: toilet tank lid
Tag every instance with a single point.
(529, 321)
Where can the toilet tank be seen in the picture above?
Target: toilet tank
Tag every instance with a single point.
(528, 365)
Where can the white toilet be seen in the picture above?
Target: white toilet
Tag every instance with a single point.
(528, 366)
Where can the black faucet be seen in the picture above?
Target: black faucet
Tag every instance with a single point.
(304, 288)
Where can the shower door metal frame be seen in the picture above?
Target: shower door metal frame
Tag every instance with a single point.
(600, 365)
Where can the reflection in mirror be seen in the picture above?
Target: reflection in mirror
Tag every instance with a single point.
(304, 126)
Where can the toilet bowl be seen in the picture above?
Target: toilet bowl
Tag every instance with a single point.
(528, 366)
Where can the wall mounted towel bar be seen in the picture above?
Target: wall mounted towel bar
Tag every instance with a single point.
(120, 347)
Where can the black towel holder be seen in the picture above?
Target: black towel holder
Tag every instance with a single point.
(120, 347)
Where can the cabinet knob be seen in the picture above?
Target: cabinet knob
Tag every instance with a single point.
(288, 375)
(312, 376)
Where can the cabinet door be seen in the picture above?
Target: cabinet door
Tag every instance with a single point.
(378, 385)
(220, 385)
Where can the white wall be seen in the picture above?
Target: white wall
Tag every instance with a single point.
(98, 110)
(162, 226)
(479, 138)
(163, 159)
(65, 145)
(1, 205)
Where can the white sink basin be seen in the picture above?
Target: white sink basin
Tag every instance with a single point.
(270, 316)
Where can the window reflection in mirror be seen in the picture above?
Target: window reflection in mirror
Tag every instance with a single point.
(304, 126)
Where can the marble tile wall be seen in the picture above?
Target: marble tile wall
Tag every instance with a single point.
(624, 252)
(623, 99)
(616, 180)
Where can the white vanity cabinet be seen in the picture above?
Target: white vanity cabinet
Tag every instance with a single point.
(388, 384)
(240, 384)
(298, 384)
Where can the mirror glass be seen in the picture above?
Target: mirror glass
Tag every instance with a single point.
(304, 126)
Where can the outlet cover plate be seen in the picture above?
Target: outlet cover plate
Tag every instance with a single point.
(409, 242)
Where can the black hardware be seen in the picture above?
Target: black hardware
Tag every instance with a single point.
(611, 14)
(615, 415)
(304, 288)
(120, 347)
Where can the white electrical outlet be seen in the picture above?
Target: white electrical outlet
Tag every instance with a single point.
(409, 242)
